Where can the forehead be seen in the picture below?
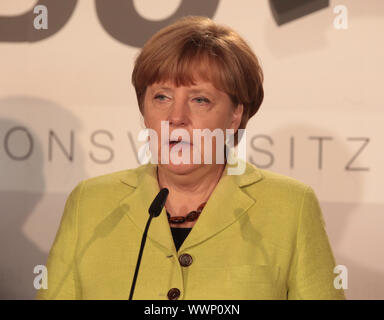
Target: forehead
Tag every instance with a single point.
(199, 70)
(199, 84)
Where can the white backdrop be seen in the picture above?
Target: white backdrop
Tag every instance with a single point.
(69, 112)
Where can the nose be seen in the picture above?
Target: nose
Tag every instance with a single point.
(178, 113)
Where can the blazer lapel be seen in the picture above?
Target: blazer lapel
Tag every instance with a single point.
(137, 204)
(226, 204)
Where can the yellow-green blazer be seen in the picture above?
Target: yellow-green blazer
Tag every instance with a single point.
(260, 236)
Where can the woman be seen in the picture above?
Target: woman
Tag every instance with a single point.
(254, 235)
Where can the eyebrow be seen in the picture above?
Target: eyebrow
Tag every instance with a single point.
(196, 90)
(162, 88)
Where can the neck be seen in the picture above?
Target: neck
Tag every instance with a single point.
(194, 182)
(189, 190)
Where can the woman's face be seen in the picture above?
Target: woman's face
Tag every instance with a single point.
(200, 106)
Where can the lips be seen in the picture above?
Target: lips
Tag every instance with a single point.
(175, 142)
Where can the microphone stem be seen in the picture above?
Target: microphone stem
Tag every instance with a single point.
(143, 239)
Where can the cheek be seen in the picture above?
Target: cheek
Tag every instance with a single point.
(151, 118)
(219, 120)
(223, 115)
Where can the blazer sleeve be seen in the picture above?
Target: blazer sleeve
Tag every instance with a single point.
(311, 273)
(61, 263)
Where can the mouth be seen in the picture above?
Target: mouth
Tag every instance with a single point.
(178, 141)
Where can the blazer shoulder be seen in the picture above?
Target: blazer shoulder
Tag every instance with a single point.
(128, 177)
(283, 180)
(284, 202)
(279, 185)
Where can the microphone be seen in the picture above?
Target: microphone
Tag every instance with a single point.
(154, 211)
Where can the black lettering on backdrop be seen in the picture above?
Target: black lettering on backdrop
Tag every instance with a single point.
(6, 144)
(348, 166)
(52, 136)
(288, 10)
(21, 28)
(321, 139)
(18, 145)
(253, 139)
(120, 19)
(102, 146)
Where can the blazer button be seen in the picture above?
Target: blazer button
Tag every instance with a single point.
(185, 260)
(173, 294)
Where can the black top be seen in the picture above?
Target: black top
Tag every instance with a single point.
(179, 235)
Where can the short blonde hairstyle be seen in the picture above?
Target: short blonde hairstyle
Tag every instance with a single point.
(216, 52)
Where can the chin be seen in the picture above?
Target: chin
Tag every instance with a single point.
(180, 169)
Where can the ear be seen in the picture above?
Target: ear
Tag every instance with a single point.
(237, 115)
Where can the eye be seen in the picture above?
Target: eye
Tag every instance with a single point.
(201, 100)
(160, 97)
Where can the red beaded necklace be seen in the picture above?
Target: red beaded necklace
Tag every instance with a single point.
(192, 216)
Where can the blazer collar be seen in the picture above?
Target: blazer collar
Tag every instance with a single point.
(226, 204)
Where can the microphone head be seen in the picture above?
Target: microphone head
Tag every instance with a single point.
(158, 203)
